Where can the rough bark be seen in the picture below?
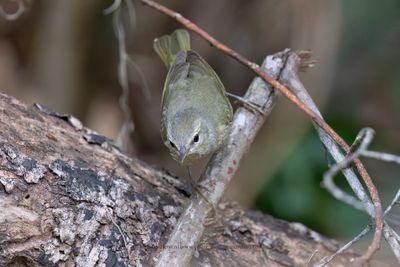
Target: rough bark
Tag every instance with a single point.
(69, 197)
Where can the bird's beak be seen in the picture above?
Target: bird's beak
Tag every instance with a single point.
(182, 155)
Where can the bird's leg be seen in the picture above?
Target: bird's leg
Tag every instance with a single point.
(250, 105)
(196, 186)
(192, 183)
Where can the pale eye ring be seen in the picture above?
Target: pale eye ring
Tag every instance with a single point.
(196, 138)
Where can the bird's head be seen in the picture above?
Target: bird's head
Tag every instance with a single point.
(190, 136)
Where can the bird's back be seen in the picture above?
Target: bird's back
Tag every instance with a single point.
(193, 101)
(192, 84)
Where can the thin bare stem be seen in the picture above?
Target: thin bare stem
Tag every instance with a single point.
(394, 201)
(292, 97)
(393, 240)
(114, 6)
(326, 260)
(128, 125)
(124, 64)
(311, 257)
(382, 156)
(390, 235)
(246, 103)
(361, 143)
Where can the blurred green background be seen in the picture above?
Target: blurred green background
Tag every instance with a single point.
(65, 54)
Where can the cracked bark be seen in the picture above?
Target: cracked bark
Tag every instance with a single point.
(69, 197)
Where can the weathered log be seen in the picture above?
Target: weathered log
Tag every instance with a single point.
(69, 197)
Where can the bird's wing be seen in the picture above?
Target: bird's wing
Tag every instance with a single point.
(179, 70)
(198, 66)
(189, 63)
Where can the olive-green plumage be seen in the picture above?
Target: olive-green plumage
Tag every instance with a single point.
(195, 112)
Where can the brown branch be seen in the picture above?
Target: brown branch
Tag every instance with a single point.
(292, 97)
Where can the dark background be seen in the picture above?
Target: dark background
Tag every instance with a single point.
(65, 54)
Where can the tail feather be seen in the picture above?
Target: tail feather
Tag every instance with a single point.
(168, 46)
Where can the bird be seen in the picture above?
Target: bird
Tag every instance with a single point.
(195, 111)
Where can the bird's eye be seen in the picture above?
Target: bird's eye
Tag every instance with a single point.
(172, 144)
(196, 138)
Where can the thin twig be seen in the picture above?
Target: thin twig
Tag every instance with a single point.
(358, 148)
(112, 8)
(122, 234)
(394, 201)
(390, 235)
(311, 257)
(361, 143)
(128, 125)
(382, 156)
(125, 62)
(246, 103)
(292, 97)
(223, 165)
(326, 260)
(393, 240)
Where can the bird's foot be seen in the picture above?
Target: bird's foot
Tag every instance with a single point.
(215, 214)
(196, 187)
(246, 103)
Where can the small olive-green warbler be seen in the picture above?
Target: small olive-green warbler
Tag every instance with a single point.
(195, 112)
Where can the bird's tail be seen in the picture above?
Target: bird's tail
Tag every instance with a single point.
(168, 46)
